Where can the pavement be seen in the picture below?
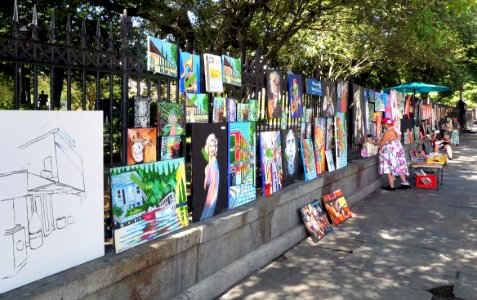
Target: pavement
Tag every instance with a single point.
(407, 244)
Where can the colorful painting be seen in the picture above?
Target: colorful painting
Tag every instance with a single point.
(141, 145)
(209, 170)
(171, 118)
(148, 201)
(213, 73)
(303, 130)
(377, 120)
(379, 102)
(315, 220)
(329, 134)
(283, 121)
(271, 162)
(313, 87)
(161, 57)
(359, 133)
(274, 104)
(170, 147)
(243, 112)
(342, 97)
(393, 99)
(142, 111)
(231, 110)
(295, 94)
(189, 81)
(253, 106)
(218, 113)
(290, 156)
(329, 160)
(232, 70)
(366, 111)
(52, 194)
(319, 144)
(242, 187)
(308, 157)
(197, 108)
(308, 115)
(338, 209)
(341, 140)
(387, 105)
(329, 98)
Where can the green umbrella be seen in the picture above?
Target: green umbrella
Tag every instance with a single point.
(418, 87)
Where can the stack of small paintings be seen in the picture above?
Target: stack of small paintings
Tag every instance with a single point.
(308, 157)
(271, 162)
(197, 108)
(141, 145)
(171, 119)
(148, 201)
(290, 156)
(338, 209)
(316, 221)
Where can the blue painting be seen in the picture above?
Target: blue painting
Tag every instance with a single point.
(189, 81)
(313, 87)
(161, 57)
(295, 94)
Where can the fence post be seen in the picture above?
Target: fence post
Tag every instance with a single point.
(124, 84)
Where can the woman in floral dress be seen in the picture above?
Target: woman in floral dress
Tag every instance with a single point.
(392, 160)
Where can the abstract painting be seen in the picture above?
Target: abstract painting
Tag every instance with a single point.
(379, 102)
(329, 160)
(197, 108)
(148, 201)
(189, 81)
(290, 156)
(52, 199)
(313, 87)
(242, 187)
(218, 113)
(161, 57)
(359, 133)
(243, 112)
(338, 209)
(341, 140)
(171, 118)
(253, 106)
(209, 170)
(170, 147)
(319, 144)
(342, 97)
(141, 145)
(213, 73)
(274, 104)
(315, 220)
(232, 70)
(329, 134)
(308, 157)
(231, 110)
(142, 111)
(295, 95)
(329, 98)
(271, 162)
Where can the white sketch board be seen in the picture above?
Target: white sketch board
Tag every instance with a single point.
(51, 193)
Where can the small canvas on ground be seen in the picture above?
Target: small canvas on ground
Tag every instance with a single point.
(316, 221)
(336, 206)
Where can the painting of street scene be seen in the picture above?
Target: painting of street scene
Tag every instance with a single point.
(189, 81)
(232, 70)
(148, 201)
(141, 145)
(316, 221)
(241, 163)
(243, 112)
(197, 108)
(161, 57)
(171, 118)
(271, 162)
(338, 209)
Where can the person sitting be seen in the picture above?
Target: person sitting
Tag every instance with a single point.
(441, 140)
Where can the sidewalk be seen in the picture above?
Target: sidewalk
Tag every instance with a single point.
(407, 244)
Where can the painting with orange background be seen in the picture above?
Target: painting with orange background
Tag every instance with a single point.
(141, 145)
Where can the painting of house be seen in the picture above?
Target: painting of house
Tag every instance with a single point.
(197, 108)
(189, 81)
(241, 163)
(51, 178)
(232, 70)
(161, 57)
(148, 201)
(271, 162)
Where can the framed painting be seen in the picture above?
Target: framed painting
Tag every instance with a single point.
(315, 220)
(274, 104)
(290, 156)
(336, 206)
(171, 118)
(319, 144)
(141, 145)
(295, 94)
(342, 96)
(271, 162)
(197, 108)
(161, 57)
(308, 157)
(209, 170)
(232, 70)
(242, 149)
(189, 80)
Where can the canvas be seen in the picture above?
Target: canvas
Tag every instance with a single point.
(232, 70)
(209, 170)
(359, 133)
(329, 134)
(377, 120)
(308, 157)
(171, 118)
(253, 106)
(308, 115)
(283, 121)
(197, 108)
(171, 147)
(141, 145)
(319, 144)
(290, 156)
(218, 113)
(274, 104)
(51, 199)
(189, 80)
(295, 95)
(394, 103)
(231, 110)
(387, 105)
(379, 102)
(242, 149)
(315, 220)
(148, 201)
(243, 112)
(213, 73)
(271, 162)
(161, 57)
(342, 96)
(329, 98)
(142, 111)
(366, 111)
(313, 87)
(341, 140)
(336, 206)
(329, 160)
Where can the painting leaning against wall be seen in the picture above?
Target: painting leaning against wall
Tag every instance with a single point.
(271, 162)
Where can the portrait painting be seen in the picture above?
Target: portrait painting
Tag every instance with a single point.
(274, 105)
(271, 162)
(142, 111)
(295, 95)
(329, 98)
(290, 156)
